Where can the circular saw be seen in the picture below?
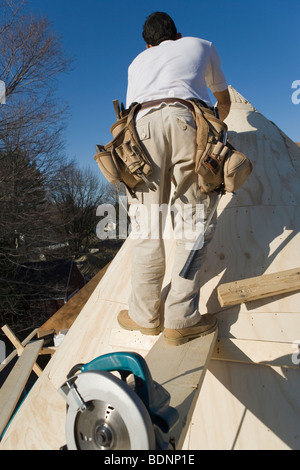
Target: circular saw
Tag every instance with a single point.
(113, 404)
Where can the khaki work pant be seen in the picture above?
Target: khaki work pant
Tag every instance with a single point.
(168, 135)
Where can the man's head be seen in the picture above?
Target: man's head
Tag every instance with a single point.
(159, 27)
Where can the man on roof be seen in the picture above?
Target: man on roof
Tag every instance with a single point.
(170, 70)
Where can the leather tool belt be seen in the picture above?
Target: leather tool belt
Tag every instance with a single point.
(217, 163)
(124, 159)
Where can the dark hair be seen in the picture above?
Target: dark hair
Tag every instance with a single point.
(159, 27)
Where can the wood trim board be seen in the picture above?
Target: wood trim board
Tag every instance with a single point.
(12, 388)
(259, 287)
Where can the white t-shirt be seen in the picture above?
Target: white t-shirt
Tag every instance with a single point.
(183, 69)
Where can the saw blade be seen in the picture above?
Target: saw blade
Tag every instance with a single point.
(101, 427)
(115, 417)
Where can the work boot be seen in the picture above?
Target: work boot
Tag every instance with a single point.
(206, 325)
(127, 323)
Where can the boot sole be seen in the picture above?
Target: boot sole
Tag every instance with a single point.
(144, 331)
(185, 339)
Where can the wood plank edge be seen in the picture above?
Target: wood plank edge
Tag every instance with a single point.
(12, 388)
(290, 276)
(267, 353)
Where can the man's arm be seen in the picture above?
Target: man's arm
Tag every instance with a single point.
(223, 103)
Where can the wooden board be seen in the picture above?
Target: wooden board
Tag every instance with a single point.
(14, 353)
(181, 371)
(19, 346)
(268, 353)
(12, 388)
(259, 287)
(244, 406)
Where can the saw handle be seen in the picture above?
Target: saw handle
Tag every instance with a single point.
(125, 362)
(120, 361)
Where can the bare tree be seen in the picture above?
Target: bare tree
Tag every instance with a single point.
(77, 194)
(31, 58)
(31, 54)
(32, 124)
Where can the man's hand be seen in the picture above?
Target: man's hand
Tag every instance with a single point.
(223, 103)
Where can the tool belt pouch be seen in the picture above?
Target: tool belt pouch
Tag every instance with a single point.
(108, 166)
(237, 168)
(124, 159)
(217, 162)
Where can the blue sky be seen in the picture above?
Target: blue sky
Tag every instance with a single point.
(258, 42)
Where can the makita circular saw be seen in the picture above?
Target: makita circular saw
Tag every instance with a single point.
(113, 404)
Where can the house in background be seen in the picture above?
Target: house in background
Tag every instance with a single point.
(45, 286)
